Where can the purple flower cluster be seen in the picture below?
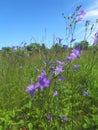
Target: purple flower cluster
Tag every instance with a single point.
(74, 54)
(95, 38)
(42, 83)
(64, 118)
(81, 13)
(59, 68)
(60, 63)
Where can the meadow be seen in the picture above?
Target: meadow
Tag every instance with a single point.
(54, 89)
(70, 102)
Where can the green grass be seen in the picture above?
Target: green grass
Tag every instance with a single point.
(18, 111)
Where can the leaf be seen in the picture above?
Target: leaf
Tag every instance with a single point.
(30, 126)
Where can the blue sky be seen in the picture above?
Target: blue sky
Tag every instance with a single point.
(40, 20)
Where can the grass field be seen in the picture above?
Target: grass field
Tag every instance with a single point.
(70, 102)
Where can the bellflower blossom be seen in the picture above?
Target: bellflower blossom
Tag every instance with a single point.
(48, 117)
(72, 40)
(31, 89)
(95, 38)
(82, 12)
(42, 80)
(76, 67)
(60, 63)
(65, 47)
(79, 19)
(59, 40)
(85, 93)
(61, 78)
(74, 54)
(64, 118)
(58, 70)
(55, 93)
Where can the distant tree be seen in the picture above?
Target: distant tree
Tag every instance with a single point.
(84, 44)
(7, 49)
(56, 46)
(34, 47)
(43, 47)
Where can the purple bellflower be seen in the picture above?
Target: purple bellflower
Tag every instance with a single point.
(65, 47)
(82, 12)
(74, 54)
(48, 117)
(31, 89)
(85, 93)
(79, 19)
(72, 40)
(64, 118)
(55, 93)
(60, 63)
(59, 40)
(76, 67)
(42, 80)
(61, 78)
(58, 70)
(95, 38)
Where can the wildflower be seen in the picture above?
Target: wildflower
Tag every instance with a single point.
(59, 40)
(42, 81)
(50, 63)
(61, 78)
(31, 89)
(68, 58)
(60, 63)
(58, 70)
(76, 67)
(85, 93)
(82, 12)
(79, 19)
(55, 93)
(43, 74)
(51, 69)
(25, 43)
(74, 54)
(14, 48)
(95, 38)
(64, 118)
(48, 117)
(65, 47)
(72, 40)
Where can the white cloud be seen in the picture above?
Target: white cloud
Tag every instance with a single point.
(92, 10)
(92, 14)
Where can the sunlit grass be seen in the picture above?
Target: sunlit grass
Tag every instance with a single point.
(19, 110)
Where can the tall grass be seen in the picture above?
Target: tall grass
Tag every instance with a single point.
(18, 110)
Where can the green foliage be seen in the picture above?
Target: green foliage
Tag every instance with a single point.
(19, 111)
(84, 45)
(36, 47)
